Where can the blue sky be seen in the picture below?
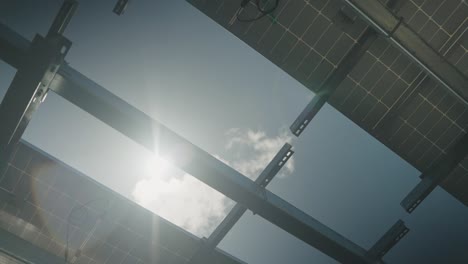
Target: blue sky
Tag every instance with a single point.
(177, 65)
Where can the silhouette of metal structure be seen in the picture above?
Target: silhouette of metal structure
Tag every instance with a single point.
(395, 68)
(363, 57)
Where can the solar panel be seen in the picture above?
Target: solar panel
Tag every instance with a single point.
(386, 93)
(52, 205)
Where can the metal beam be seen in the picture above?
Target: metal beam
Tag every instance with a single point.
(426, 186)
(63, 17)
(138, 126)
(389, 239)
(37, 64)
(436, 174)
(309, 112)
(23, 250)
(13, 47)
(236, 213)
(28, 89)
(333, 81)
(120, 6)
(141, 128)
(411, 44)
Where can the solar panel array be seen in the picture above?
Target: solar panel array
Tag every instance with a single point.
(103, 226)
(386, 93)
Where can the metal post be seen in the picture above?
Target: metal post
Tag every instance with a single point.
(63, 17)
(236, 213)
(28, 89)
(389, 239)
(37, 65)
(333, 81)
(436, 174)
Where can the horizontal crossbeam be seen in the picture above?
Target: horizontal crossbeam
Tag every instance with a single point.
(154, 136)
(436, 174)
(238, 210)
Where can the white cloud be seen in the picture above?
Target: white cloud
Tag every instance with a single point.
(183, 200)
(189, 203)
(255, 150)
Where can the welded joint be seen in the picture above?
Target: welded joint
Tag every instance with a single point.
(388, 240)
(62, 46)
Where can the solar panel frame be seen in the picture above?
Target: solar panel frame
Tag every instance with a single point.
(113, 230)
(386, 93)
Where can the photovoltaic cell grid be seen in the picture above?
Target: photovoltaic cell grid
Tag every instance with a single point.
(104, 227)
(385, 93)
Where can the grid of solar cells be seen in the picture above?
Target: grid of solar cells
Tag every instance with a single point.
(299, 42)
(103, 227)
(385, 93)
(443, 24)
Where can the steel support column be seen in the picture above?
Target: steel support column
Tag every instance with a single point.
(333, 81)
(436, 174)
(28, 89)
(36, 63)
(411, 44)
(236, 213)
(62, 19)
(389, 239)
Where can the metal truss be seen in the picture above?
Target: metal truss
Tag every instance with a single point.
(411, 44)
(236, 213)
(383, 21)
(40, 68)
